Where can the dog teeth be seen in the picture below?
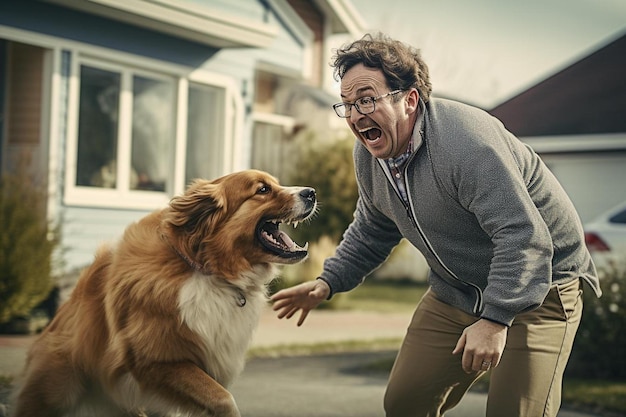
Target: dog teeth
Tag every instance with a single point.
(295, 224)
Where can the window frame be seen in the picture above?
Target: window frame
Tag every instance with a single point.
(122, 196)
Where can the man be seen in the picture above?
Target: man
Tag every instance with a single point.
(503, 242)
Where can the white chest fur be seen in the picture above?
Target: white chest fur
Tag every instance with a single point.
(212, 308)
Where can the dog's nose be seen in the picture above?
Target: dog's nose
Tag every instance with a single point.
(308, 194)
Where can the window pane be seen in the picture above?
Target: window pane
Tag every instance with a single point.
(269, 144)
(153, 133)
(97, 128)
(205, 132)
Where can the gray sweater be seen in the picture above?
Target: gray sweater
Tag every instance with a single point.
(494, 224)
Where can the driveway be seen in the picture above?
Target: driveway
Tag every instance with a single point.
(305, 386)
(335, 385)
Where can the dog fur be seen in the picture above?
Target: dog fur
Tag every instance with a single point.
(161, 321)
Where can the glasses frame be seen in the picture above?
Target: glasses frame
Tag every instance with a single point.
(348, 106)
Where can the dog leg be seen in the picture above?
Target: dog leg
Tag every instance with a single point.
(47, 392)
(188, 387)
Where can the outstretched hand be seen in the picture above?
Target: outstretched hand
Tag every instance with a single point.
(302, 297)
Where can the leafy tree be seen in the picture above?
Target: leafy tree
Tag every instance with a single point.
(26, 246)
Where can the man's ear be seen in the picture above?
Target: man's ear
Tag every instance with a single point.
(412, 100)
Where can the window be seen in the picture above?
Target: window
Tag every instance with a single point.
(125, 146)
(96, 164)
(205, 124)
(101, 125)
(152, 133)
(272, 139)
(272, 144)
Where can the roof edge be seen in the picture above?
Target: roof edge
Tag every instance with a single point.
(182, 19)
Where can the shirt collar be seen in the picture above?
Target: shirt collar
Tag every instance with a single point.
(416, 138)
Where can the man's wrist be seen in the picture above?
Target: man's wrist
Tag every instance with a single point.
(330, 289)
(495, 321)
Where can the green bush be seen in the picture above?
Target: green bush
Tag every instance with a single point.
(600, 348)
(27, 245)
(329, 169)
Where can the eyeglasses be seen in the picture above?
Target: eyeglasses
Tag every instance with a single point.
(364, 105)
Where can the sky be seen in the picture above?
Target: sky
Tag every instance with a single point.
(484, 52)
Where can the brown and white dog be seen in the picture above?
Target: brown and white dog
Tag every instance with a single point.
(161, 321)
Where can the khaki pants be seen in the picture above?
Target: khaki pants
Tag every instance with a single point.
(427, 380)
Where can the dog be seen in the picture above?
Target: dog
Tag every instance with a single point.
(160, 322)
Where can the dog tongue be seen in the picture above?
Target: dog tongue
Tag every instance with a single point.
(286, 239)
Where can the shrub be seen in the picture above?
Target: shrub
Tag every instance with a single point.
(599, 348)
(329, 169)
(26, 246)
(404, 264)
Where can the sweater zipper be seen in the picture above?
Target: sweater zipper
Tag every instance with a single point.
(410, 210)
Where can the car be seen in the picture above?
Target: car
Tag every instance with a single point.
(605, 236)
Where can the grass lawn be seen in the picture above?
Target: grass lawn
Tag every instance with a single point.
(382, 297)
(607, 396)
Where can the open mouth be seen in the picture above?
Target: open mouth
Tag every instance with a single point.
(371, 133)
(278, 242)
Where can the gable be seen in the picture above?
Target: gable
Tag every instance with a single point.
(588, 97)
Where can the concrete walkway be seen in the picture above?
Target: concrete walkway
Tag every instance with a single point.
(325, 326)
(322, 326)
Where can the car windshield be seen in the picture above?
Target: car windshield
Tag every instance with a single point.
(619, 217)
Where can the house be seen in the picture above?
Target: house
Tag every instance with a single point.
(117, 105)
(576, 120)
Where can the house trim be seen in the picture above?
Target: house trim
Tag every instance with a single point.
(86, 49)
(343, 17)
(233, 116)
(577, 143)
(300, 31)
(182, 19)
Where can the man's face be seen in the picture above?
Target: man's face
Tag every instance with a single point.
(387, 130)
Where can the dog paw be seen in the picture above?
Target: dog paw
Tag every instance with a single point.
(226, 407)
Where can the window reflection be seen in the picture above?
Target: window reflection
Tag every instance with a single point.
(205, 121)
(97, 128)
(152, 133)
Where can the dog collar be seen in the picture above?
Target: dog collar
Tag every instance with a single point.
(193, 264)
(240, 297)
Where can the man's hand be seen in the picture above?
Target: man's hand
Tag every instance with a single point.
(482, 345)
(305, 297)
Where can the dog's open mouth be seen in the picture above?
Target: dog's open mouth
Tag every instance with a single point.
(278, 242)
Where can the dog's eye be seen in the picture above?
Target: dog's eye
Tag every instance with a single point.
(265, 189)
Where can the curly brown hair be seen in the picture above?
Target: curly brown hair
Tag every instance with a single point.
(401, 64)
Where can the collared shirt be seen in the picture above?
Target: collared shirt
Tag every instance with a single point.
(396, 165)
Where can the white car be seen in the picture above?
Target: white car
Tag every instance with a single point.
(605, 236)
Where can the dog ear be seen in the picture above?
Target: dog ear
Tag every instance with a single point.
(196, 206)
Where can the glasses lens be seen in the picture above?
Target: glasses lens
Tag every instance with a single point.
(342, 110)
(366, 105)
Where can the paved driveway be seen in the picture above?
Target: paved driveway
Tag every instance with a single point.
(309, 386)
(328, 386)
